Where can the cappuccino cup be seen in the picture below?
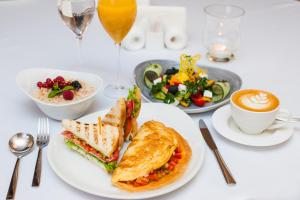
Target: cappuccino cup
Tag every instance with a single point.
(254, 110)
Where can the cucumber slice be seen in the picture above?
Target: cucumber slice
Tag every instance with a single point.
(148, 83)
(220, 89)
(151, 75)
(217, 97)
(159, 96)
(226, 88)
(157, 68)
(217, 89)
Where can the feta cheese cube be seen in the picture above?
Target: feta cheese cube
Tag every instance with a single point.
(158, 80)
(203, 75)
(181, 87)
(208, 94)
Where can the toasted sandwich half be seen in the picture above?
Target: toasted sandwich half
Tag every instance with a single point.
(100, 142)
(133, 107)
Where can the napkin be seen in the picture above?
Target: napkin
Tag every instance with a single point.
(155, 34)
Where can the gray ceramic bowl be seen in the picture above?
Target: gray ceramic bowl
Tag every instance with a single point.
(213, 73)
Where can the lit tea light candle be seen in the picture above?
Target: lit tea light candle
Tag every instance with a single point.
(219, 51)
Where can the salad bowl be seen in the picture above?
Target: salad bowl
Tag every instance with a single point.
(213, 73)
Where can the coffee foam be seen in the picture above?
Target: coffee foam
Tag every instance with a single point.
(256, 100)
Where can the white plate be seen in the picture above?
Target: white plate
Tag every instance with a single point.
(84, 175)
(225, 126)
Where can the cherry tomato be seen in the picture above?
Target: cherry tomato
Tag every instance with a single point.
(177, 155)
(172, 163)
(196, 96)
(142, 181)
(153, 177)
(170, 168)
(198, 101)
(177, 150)
(174, 159)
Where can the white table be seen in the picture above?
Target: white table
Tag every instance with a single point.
(33, 35)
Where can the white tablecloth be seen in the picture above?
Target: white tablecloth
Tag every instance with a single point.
(33, 35)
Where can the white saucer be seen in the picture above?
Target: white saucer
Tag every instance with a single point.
(225, 126)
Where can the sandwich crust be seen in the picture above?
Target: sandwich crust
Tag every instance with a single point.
(130, 169)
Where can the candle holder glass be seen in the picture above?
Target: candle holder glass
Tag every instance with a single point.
(222, 31)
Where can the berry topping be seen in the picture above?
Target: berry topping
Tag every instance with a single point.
(68, 95)
(69, 83)
(61, 85)
(76, 85)
(59, 79)
(48, 80)
(39, 84)
(49, 83)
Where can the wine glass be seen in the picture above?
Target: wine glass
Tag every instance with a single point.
(117, 18)
(77, 15)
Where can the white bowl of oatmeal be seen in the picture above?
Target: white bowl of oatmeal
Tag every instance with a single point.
(62, 105)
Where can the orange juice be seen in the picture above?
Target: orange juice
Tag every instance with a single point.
(117, 17)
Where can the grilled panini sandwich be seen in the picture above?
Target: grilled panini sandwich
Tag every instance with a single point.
(100, 142)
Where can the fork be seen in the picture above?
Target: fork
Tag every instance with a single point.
(41, 141)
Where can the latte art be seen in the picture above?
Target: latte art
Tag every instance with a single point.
(255, 100)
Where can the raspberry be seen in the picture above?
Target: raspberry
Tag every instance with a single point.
(49, 83)
(61, 85)
(59, 79)
(39, 84)
(68, 95)
(48, 80)
(68, 83)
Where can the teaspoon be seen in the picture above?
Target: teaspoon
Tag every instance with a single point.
(20, 144)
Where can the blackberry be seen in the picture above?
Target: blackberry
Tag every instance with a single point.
(76, 85)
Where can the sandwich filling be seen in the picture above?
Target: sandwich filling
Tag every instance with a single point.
(159, 173)
(133, 103)
(74, 142)
(133, 106)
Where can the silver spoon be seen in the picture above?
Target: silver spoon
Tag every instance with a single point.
(20, 144)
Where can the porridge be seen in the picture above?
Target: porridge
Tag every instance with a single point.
(59, 90)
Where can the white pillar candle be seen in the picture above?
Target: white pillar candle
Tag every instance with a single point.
(219, 50)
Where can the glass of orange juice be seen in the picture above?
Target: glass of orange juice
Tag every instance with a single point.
(117, 18)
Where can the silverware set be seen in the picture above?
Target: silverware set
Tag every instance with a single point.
(22, 144)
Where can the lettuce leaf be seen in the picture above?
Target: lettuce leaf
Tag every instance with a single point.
(108, 166)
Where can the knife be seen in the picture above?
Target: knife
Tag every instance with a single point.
(212, 145)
